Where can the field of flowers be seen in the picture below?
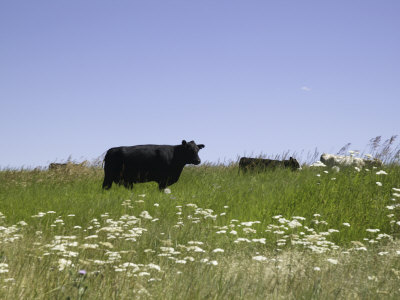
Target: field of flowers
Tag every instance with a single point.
(314, 233)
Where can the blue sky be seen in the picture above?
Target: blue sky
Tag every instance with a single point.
(241, 77)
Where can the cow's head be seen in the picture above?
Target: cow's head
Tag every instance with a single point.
(191, 152)
(294, 164)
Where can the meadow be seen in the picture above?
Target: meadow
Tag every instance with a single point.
(216, 234)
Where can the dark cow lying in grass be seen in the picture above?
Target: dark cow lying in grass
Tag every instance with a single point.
(251, 164)
(160, 163)
(66, 166)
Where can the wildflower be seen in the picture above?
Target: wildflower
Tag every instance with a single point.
(167, 191)
(82, 272)
(3, 268)
(294, 223)
(249, 230)
(279, 232)
(189, 258)
(242, 240)
(195, 243)
(357, 169)
(94, 236)
(213, 262)
(182, 261)
(145, 215)
(381, 172)
(346, 224)
(90, 246)
(261, 240)
(372, 230)
(259, 258)
(332, 261)
(383, 253)
(360, 249)
(154, 266)
(63, 263)
(195, 249)
(156, 204)
(217, 250)
(379, 183)
(317, 269)
(234, 232)
(396, 190)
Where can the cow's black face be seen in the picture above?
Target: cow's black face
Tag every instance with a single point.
(294, 163)
(191, 152)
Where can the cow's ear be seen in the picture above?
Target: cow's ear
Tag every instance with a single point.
(201, 146)
(183, 142)
(290, 158)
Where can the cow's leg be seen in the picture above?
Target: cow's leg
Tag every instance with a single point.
(128, 185)
(106, 184)
(162, 185)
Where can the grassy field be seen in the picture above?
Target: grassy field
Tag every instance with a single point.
(313, 233)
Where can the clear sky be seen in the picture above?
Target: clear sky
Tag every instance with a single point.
(242, 77)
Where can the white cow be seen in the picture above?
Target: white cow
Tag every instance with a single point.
(331, 160)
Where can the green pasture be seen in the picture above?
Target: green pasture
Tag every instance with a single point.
(314, 233)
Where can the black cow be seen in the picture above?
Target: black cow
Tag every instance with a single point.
(246, 163)
(56, 166)
(160, 163)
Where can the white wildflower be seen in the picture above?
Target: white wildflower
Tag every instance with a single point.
(217, 250)
(332, 261)
(259, 258)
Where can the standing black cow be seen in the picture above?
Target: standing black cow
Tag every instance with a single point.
(160, 163)
(246, 163)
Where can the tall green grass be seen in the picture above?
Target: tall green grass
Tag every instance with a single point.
(286, 271)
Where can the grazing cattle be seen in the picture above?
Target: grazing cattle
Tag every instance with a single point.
(246, 163)
(160, 163)
(331, 160)
(56, 166)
